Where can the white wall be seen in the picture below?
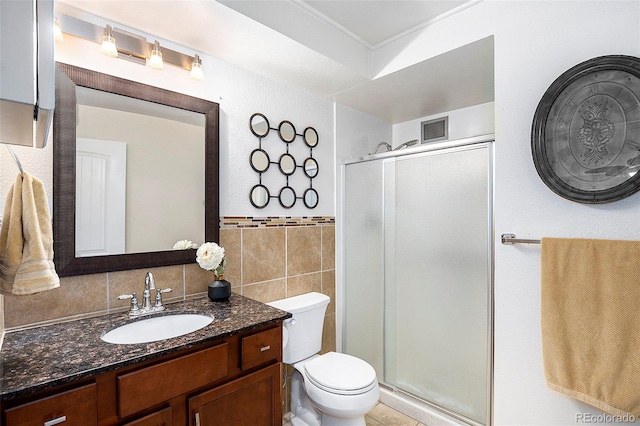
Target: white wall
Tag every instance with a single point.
(535, 42)
(240, 94)
(475, 120)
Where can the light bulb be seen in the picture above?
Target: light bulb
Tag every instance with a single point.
(108, 46)
(196, 68)
(155, 60)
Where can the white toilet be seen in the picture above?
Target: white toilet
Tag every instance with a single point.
(333, 389)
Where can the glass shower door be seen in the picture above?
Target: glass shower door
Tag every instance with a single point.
(364, 295)
(437, 278)
(418, 280)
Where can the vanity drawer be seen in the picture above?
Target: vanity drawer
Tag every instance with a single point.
(152, 385)
(261, 348)
(77, 407)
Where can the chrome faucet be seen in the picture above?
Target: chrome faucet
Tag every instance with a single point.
(147, 308)
(149, 284)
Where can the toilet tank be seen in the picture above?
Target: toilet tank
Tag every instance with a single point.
(303, 332)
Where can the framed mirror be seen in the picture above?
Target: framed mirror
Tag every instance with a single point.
(86, 100)
(310, 137)
(259, 160)
(259, 196)
(287, 197)
(310, 198)
(259, 125)
(287, 131)
(310, 167)
(287, 164)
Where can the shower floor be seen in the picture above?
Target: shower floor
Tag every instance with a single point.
(381, 415)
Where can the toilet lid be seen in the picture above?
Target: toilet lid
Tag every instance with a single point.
(340, 373)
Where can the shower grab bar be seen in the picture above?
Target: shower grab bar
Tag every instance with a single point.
(511, 239)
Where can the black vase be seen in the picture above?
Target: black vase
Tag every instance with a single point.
(219, 290)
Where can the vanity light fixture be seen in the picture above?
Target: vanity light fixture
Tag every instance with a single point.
(131, 47)
(196, 68)
(155, 60)
(57, 32)
(108, 46)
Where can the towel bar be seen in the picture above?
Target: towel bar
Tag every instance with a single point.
(15, 158)
(511, 239)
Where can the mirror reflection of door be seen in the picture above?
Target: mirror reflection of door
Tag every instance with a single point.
(101, 180)
(165, 166)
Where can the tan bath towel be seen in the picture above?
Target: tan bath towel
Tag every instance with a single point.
(591, 321)
(35, 271)
(11, 241)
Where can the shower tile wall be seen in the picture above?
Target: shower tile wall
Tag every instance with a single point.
(267, 259)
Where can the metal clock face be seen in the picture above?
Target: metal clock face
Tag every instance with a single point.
(586, 131)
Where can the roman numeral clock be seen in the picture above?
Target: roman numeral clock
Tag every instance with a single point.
(585, 138)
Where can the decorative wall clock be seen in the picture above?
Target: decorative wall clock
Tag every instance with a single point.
(585, 137)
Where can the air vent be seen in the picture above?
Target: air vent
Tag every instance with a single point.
(435, 130)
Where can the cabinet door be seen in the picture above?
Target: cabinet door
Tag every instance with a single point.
(159, 418)
(77, 407)
(252, 400)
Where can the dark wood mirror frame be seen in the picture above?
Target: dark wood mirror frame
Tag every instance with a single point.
(64, 171)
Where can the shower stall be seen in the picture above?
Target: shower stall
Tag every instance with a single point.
(418, 255)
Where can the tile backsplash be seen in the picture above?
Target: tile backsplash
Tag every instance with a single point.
(267, 259)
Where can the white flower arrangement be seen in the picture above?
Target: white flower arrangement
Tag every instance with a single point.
(185, 245)
(210, 256)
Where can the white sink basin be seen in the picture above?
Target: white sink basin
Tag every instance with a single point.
(157, 328)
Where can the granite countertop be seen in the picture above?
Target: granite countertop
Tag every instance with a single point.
(39, 358)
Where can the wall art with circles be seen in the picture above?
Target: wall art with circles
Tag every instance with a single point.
(283, 164)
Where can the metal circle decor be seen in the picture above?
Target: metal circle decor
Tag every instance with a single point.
(287, 132)
(585, 137)
(259, 125)
(287, 197)
(287, 164)
(259, 160)
(310, 167)
(259, 196)
(310, 198)
(310, 137)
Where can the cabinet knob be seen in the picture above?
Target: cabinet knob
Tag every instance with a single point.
(265, 348)
(56, 421)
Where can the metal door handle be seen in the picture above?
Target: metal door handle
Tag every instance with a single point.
(56, 421)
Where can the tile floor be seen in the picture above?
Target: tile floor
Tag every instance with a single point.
(381, 415)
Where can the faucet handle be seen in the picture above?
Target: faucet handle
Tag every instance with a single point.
(134, 309)
(159, 297)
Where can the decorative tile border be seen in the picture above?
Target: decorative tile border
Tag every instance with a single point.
(229, 222)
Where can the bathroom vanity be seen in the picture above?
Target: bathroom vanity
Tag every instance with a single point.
(227, 373)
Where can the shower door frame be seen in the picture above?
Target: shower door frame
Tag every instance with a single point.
(454, 145)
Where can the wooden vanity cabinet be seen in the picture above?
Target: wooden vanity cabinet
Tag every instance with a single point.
(252, 400)
(233, 381)
(75, 407)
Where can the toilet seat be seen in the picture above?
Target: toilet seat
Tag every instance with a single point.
(340, 374)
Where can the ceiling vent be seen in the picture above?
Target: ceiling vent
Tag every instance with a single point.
(435, 130)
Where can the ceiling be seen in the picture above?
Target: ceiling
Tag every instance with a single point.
(323, 46)
(373, 23)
